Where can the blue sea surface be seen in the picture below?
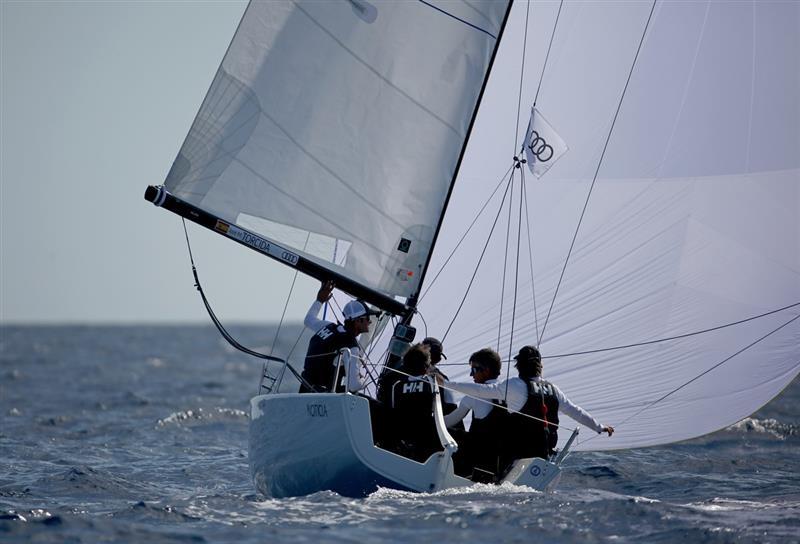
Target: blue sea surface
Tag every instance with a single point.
(139, 434)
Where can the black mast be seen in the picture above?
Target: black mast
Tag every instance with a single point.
(412, 300)
(404, 333)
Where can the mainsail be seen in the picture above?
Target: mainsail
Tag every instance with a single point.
(335, 129)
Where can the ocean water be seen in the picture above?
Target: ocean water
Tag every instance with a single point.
(139, 434)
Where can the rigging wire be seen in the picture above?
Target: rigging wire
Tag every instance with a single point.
(424, 323)
(480, 260)
(676, 337)
(517, 166)
(547, 56)
(522, 74)
(288, 298)
(216, 321)
(516, 282)
(505, 263)
(659, 340)
(225, 334)
(597, 170)
(719, 364)
(530, 256)
(466, 232)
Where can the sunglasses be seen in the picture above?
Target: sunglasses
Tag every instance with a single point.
(475, 369)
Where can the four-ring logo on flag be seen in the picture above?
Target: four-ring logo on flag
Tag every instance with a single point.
(539, 147)
(543, 145)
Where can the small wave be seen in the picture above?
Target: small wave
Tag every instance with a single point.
(766, 426)
(599, 471)
(726, 505)
(53, 421)
(36, 515)
(155, 362)
(89, 480)
(506, 488)
(145, 511)
(201, 415)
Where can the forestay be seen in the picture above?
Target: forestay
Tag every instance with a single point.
(335, 128)
(693, 222)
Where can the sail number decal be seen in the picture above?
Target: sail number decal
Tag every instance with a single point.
(262, 245)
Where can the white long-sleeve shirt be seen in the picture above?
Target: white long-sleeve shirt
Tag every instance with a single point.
(480, 409)
(518, 396)
(351, 359)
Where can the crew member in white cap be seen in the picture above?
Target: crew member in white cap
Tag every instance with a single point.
(329, 338)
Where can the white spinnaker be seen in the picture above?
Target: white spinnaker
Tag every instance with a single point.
(693, 223)
(342, 120)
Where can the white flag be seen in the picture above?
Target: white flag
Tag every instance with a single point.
(543, 145)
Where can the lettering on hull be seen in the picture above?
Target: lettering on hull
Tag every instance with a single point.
(317, 410)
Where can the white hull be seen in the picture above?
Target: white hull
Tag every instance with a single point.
(301, 444)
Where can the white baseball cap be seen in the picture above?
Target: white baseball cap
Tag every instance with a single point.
(357, 308)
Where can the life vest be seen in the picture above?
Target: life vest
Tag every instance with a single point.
(413, 428)
(488, 437)
(320, 363)
(533, 437)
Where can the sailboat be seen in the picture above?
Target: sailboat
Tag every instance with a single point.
(617, 183)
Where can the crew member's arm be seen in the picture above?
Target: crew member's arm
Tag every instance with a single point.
(579, 414)
(479, 390)
(351, 361)
(312, 321)
(517, 391)
(454, 417)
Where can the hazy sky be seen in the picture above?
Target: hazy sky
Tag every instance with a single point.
(96, 100)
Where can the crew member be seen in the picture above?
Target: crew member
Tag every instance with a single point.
(413, 428)
(322, 357)
(534, 404)
(482, 447)
(434, 346)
